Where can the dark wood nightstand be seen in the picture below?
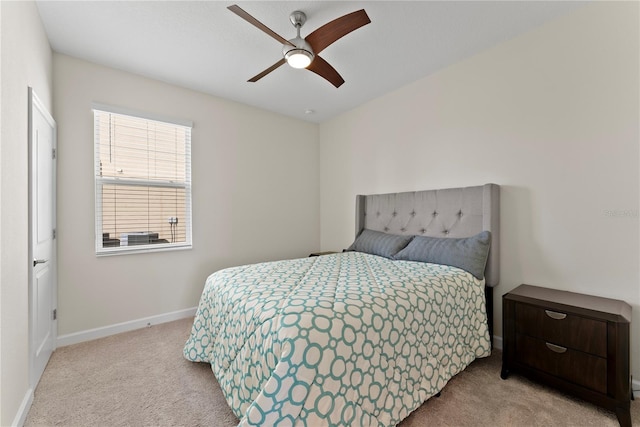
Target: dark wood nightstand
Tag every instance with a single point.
(322, 253)
(576, 343)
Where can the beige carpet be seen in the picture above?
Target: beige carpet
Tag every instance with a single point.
(139, 378)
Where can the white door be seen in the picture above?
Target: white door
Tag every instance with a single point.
(42, 292)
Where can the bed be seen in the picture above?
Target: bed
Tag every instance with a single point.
(362, 337)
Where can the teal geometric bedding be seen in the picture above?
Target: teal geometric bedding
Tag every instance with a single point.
(347, 339)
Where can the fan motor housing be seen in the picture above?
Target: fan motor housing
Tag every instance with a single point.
(300, 44)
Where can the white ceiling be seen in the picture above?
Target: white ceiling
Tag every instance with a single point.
(203, 46)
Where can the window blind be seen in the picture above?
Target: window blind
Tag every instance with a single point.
(143, 183)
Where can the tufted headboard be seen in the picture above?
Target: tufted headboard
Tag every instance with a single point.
(452, 212)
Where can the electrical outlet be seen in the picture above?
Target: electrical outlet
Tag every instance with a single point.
(173, 220)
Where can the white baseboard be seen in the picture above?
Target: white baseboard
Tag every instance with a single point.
(105, 331)
(23, 410)
(497, 342)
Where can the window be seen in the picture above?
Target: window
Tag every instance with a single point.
(143, 183)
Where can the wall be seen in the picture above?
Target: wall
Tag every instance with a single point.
(551, 116)
(255, 178)
(26, 61)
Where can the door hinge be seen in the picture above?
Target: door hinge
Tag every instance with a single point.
(55, 314)
(54, 233)
(53, 153)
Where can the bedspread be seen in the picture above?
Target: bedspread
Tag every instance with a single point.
(347, 339)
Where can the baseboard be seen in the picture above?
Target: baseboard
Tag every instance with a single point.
(23, 410)
(497, 342)
(92, 334)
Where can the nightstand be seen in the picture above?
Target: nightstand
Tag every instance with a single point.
(322, 253)
(576, 343)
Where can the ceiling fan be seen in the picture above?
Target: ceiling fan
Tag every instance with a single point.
(304, 53)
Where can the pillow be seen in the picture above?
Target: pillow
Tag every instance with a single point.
(469, 254)
(379, 243)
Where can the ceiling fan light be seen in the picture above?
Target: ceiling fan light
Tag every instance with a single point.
(298, 58)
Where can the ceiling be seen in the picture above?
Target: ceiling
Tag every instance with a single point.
(202, 46)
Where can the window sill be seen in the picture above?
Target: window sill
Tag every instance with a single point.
(141, 249)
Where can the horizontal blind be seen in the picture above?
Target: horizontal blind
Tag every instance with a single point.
(143, 183)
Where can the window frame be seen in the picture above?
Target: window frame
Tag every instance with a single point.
(100, 181)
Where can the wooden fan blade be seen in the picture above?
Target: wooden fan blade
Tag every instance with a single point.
(326, 71)
(340, 27)
(267, 71)
(253, 21)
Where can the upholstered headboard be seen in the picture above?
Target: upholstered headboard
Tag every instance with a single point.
(452, 212)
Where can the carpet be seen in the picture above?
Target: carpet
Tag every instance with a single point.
(140, 378)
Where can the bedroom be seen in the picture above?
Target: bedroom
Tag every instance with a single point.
(554, 122)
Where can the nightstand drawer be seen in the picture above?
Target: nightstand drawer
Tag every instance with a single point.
(580, 368)
(567, 330)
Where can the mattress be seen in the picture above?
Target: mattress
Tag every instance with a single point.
(341, 339)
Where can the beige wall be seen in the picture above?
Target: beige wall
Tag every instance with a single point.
(551, 116)
(255, 196)
(26, 61)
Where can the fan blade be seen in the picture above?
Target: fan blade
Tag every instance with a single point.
(267, 71)
(326, 71)
(340, 27)
(253, 21)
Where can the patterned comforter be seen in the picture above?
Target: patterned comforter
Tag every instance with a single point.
(347, 339)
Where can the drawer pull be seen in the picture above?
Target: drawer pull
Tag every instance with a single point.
(555, 315)
(556, 348)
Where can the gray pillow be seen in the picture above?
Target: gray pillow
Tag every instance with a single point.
(469, 254)
(379, 243)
